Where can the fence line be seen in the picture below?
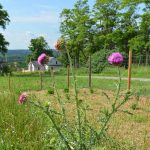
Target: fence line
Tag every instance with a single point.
(141, 62)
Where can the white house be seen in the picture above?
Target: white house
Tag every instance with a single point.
(34, 66)
(53, 62)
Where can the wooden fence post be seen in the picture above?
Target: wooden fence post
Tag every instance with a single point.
(129, 69)
(52, 75)
(9, 84)
(41, 81)
(90, 72)
(68, 76)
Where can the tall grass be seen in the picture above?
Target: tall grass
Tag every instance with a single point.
(26, 127)
(32, 82)
(22, 127)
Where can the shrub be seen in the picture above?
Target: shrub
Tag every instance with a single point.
(5, 69)
(66, 90)
(51, 91)
(98, 61)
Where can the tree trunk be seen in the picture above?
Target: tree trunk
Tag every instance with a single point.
(77, 59)
(146, 59)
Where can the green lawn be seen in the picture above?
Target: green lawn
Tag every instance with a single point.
(32, 82)
(24, 127)
(137, 72)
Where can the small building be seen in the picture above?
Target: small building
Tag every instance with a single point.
(53, 62)
(34, 66)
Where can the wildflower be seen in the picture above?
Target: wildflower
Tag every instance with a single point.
(59, 45)
(42, 59)
(115, 58)
(22, 98)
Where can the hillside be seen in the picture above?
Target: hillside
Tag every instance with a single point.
(19, 55)
(18, 52)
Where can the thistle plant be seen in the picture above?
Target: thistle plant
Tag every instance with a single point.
(42, 60)
(80, 134)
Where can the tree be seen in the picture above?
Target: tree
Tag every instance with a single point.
(134, 2)
(4, 20)
(141, 43)
(38, 46)
(111, 25)
(127, 29)
(106, 18)
(74, 27)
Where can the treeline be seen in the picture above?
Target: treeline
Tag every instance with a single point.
(110, 25)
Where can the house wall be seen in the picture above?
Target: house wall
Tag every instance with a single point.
(53, 62)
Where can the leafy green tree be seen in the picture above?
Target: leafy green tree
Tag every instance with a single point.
(111, 25)
(106, 18)
(141, 43)
(38, 46)
(99, 61)
(4, 20)
(75, 27)
(134, 2)
(126, 29)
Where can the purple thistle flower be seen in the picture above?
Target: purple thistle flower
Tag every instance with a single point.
(42, 59)
(115, 58)
(22, 98)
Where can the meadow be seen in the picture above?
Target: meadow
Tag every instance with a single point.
(25, 127)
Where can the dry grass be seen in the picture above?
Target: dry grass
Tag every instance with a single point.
(127, 129)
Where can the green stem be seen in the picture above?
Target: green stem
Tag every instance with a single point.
(106, 122)
(76, 98)
(114, 108)
(118, 88)
(54, 123)
(58, 97)
(58, 130)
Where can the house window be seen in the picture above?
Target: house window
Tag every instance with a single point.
(56, 62)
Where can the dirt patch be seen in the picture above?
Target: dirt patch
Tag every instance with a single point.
(133, 129)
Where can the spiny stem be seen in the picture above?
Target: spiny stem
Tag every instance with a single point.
(58, 97)
(76, 98)
(54, 123)
(118, 88)
(58, 130)
(114, 108)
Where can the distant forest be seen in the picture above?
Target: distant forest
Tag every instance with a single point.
(19, 55)
(110, 25)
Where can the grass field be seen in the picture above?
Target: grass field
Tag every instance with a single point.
(137, 71)
(32, 82)
(25, 127)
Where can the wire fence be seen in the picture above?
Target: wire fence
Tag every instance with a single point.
(140, 67)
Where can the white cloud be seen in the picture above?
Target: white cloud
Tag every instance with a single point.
(21, 40)
(47, 6)
(42, 17)
(29, 34)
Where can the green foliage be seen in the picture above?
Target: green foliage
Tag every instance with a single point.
(140, 44)
(4, 17)
(4, 20)
(5, 69)
(51, 91)
(110, 24)
(66, 90)
(75, 28)
(63, 58)
(22, 127)
(3, 44)
(38, 46)
(99, 61)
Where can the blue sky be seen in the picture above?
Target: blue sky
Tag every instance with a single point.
(33, 18)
